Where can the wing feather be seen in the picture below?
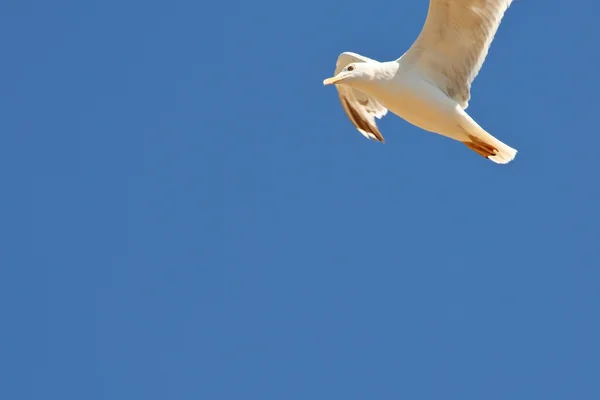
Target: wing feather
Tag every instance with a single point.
(454, 42)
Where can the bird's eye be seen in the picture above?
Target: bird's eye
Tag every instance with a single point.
(351, 68)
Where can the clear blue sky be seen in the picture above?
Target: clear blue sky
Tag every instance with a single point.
(187, 213)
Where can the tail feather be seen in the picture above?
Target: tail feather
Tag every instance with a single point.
(491, 148)
(477, 139)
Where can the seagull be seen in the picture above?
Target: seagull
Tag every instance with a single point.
(429, 85)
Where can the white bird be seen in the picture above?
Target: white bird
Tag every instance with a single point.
(429, 85)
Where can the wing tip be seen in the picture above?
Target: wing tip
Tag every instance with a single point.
(378, 137)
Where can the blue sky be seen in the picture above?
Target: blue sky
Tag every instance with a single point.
(188, 213)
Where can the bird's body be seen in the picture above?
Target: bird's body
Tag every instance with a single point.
(408, 95)
(429, 86)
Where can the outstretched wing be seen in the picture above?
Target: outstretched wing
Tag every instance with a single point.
(454, 42)
(360, 108)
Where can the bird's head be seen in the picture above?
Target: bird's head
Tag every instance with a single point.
(351, 73)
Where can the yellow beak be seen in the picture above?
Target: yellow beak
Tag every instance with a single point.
(332, 80)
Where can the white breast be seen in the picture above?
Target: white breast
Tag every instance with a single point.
(417, 101)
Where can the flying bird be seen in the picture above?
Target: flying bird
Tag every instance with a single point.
(429, 85)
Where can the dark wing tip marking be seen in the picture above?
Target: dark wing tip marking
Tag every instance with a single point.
(362, 124)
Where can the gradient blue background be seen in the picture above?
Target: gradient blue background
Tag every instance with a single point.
(187, 213)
